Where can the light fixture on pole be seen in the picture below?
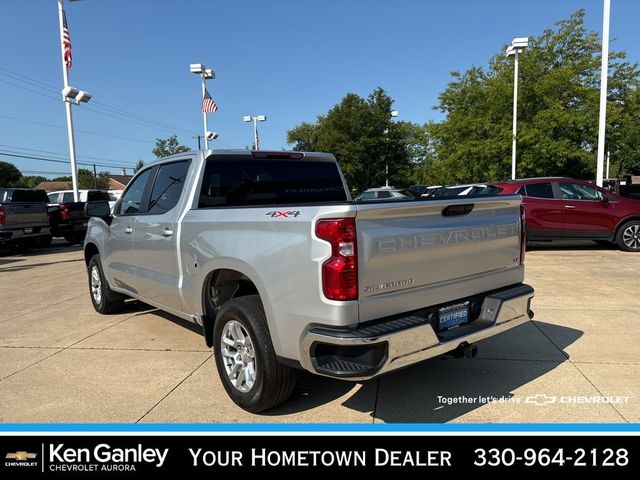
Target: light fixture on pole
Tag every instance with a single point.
(206, 74)
(604, 76)
(517, 45)
(255, 119)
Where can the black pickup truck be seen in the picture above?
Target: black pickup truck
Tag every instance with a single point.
(67, 217)
(23, 218)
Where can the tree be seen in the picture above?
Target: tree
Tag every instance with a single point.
(557, 111)
(168, 146)
(30, 181)
(9, 174)
(138, 166)
(86, 179)
(363, 138)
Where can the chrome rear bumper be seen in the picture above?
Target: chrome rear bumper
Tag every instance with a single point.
(380, 347)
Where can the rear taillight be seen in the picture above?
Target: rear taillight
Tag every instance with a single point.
(340, 271)
(523, 234)
(1, 215)
(64, 212)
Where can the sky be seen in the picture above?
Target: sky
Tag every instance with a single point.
(290, 60)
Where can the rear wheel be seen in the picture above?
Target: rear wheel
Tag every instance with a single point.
(628, 237)
(75, 238)
(45, 241)
(103, 298)
(246, 360)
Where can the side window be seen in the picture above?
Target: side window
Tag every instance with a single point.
(132, 198)
(384, 194)
(521, 191)
(67, 197)
(168, 187)
(539, 190)
(53, 197)
(579, 191)
(368, 196)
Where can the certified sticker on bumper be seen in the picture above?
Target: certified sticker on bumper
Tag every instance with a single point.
(453, 316)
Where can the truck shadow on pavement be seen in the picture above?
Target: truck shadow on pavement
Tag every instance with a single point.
(424, 393)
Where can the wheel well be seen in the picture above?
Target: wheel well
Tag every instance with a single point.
(622, 223)
(89, 251)
(220, 286)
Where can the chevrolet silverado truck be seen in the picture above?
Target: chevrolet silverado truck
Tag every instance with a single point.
(268, 253)
(23, 218)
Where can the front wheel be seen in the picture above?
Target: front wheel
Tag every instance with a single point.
(103, 298)
(628, 237)
(246, 360)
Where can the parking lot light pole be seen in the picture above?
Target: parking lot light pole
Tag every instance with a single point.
(604, 75)
(206, 74)
(392, 113)
(255, 119)
(517, 45)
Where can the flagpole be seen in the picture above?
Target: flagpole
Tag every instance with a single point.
(204, 114)
(67, 106)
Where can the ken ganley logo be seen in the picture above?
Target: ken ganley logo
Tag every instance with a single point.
(20, 459)
(103, 458)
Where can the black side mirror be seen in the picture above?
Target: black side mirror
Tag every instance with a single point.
(605, 201)
(99, 209)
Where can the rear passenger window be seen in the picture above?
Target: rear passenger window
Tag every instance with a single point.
(168, 187)
(67, 197)
(539, 190)
(238, 180)
(384, 194)
(97, 196)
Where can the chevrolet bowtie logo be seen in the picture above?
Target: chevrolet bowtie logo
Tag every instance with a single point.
(21, 456)
(540, 399)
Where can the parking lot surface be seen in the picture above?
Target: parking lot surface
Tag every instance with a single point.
(579, 361)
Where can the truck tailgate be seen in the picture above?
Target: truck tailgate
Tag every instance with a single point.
(425, 253)
(20, 215)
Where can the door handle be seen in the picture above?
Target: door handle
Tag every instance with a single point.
(128, 230)
(167, 233)
(569, 206)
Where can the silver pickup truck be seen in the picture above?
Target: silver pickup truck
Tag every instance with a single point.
(267, 252)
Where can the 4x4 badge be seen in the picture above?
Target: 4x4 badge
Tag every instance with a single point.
(281, 213)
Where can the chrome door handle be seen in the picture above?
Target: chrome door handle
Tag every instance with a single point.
(569, 206)
(167, 233)
(128, 230)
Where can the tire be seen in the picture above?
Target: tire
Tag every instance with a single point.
(104, 299)
(264, 381)
(628, 236)
(19, 246)
(75, 238)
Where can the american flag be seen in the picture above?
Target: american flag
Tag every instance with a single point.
(66, 40)
(208, 103)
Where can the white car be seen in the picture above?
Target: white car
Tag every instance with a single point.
(384, 193)
(114, 196)
(66, 196)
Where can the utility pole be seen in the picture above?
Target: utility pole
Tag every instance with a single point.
(95, 177)
(199, 144)
(67, 106)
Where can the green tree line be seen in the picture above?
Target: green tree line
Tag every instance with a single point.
(557, 120)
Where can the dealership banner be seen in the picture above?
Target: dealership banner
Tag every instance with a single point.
(137, 455)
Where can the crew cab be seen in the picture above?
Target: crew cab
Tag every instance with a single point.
(560, 208)
(67, 218)
(268, 253)
(23, 218)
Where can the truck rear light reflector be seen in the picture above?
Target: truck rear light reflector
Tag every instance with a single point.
(340, 271)
(64, 212)
(2, 218)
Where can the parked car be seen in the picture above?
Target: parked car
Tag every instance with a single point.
(67, 218)
(384, 193)
(23, 218)
(266, 252)
(567, 208)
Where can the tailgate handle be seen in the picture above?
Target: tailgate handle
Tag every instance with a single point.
(454, 210)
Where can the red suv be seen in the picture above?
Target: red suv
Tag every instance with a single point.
(566, 208)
